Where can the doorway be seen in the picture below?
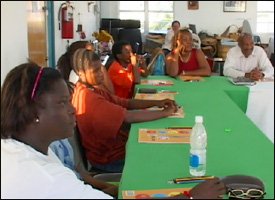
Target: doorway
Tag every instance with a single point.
(37, 32)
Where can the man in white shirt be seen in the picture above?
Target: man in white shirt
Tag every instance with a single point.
(247, 60)
(167, 46)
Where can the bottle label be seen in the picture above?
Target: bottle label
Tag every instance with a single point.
(194, 160)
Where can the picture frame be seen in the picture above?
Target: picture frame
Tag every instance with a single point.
(193, 5)
(234, 6)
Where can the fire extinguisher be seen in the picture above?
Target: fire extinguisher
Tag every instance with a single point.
(67, 21)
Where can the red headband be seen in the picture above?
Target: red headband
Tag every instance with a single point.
(37, 79)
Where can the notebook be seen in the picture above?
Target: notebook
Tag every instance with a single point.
(242, 81)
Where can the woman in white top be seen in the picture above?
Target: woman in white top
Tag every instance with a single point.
(35, 111)
(167, 46)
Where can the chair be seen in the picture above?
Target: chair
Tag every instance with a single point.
(80, 158)
(133, 35)
(196, 41)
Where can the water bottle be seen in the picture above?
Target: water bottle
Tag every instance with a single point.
(198, 142)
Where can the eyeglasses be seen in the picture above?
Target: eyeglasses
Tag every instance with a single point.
(37, 79)
(241, 194)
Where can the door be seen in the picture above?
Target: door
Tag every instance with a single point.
(37, 32)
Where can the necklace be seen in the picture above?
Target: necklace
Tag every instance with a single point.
(185, 58)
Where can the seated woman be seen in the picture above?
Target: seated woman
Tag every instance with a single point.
(64, 65)
(103, 119)
(35, 111)
(184, 59)
(126, 69)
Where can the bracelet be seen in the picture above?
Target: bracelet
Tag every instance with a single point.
(187, 193)
(183, 72)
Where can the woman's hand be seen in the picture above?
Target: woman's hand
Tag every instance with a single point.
(165, 103)
(134, 59)
(168, 106)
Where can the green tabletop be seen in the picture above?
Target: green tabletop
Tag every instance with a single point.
(235, 144)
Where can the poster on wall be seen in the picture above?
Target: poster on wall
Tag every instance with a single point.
(193, 5)
(234, 6)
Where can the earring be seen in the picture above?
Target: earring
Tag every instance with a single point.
(37, 120)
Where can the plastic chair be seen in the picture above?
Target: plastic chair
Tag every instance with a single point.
(80, 158)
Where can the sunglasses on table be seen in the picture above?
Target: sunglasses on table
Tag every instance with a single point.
(248, 194)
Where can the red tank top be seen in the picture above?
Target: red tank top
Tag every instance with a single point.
(191, 65)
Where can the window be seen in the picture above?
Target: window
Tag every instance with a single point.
(265, 17)
(153, 15)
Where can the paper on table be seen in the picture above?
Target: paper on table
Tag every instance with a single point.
(156, 82)
(175, 135)
(147, 194)
(190, 78)
(160, 96)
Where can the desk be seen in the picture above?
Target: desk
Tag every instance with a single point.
(243, 150)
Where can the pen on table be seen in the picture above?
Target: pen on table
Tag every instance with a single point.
(179, 127)
(190, 179)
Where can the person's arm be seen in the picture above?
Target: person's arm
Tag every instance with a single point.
(98, 184)
(144, 72)
(204, 68)
(142, 104)
(136, 73)
(146, 115)
(172, 63)
(169, 107)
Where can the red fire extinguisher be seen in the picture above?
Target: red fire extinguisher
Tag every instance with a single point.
(67, 21)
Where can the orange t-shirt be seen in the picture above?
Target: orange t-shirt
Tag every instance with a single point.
(99, 117)
(122, 79)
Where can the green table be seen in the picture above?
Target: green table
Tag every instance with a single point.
(242, 150)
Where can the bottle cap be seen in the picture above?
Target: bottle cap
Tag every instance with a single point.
(198, 119)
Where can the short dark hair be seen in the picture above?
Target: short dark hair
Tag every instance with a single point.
(18, 109)
(174, 22)
(117, 47)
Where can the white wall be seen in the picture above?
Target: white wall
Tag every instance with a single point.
(89, 21)
(14, 43)
(209, 17)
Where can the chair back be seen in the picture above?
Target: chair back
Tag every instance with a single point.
(79, 152)
(132, 35)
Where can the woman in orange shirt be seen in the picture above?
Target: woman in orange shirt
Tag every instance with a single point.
(126, 69)
(104, 119)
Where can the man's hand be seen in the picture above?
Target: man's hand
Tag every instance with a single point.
(255, 74)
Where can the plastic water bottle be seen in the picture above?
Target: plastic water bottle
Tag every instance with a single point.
(198, 142)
